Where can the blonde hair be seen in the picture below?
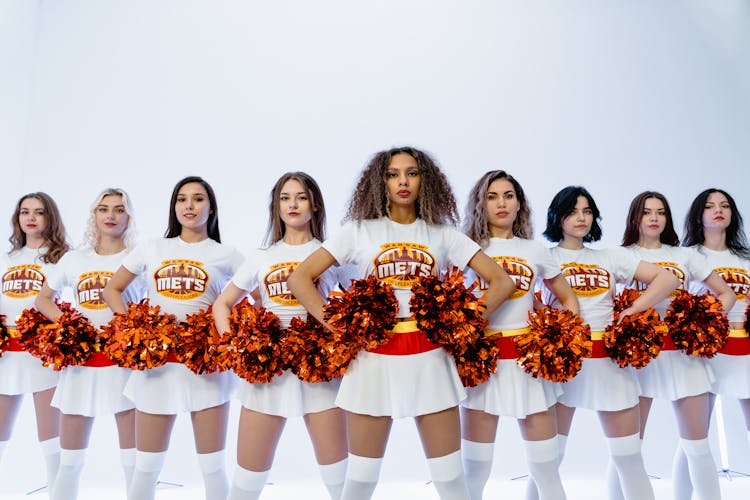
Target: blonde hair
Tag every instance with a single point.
(91, 236)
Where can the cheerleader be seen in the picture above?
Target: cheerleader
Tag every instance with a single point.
(714, 226)
(95, 388)
(296, 226)
(498, 218)
(400, 227)
(38, 243)
(185, 271)
(601, 385)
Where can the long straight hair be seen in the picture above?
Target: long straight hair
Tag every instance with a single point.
(736, 240)
(54, 236)
(276, 227)
(174, 228)
(635, 216)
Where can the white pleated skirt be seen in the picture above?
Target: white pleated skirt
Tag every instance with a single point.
(22, 373)
(400, 385)
(173, 388)
(92, 391)
(512, 392)
(732, 375)
(601, 385)
(674, 375)
(287, 396)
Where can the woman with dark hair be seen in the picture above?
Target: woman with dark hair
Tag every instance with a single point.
(601, 385)
(95, 388)
(296, 227)
(184, 273)
(684, 380)
(402, 208)
(714, 227)
(498, 218)
(38, 243)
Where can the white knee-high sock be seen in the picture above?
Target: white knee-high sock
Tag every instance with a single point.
(51, 451)
(477, 465)
(3, 445)
(532, 493)
(247, 484)
(544, 467)
(362, 475)
(448, 476)
(626, 454)
(333, 476)
(702, 468)
(148, 465)
(215, 480)
(614, 488)
(127, 459)
(682, 486)
(68, 475)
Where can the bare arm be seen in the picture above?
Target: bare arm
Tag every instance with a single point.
(500, 286)
(301, 283)
(564, 293)
(45, 304)
(660, 284)
(719, 287)
(223, 304)
(115, 287)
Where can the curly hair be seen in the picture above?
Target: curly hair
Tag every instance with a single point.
(91, 236)
(635, 216)
(174, 228)
(563, 205)
(276, 227)
(476, 226)
(736, 240)
(54, 234)
(435, 202)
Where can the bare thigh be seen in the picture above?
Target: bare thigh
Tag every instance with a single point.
(367, 435)
(327, 430)
(257, 437)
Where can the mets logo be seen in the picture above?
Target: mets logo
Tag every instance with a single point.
(275, 283)
(673, 268)
(586, 280)
(23, 281)
(90, 287)
(400, 264)
(736, 277)
(181, 279)
(519, 271)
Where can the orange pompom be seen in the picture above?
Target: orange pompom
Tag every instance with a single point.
(314, 353)
(4, 334)
(555, 346)
(697, 324)
(636, 339)
(141, 338)
(200, 347)
(477, 362)
(256, 343)
(70, 341)
(364, 314)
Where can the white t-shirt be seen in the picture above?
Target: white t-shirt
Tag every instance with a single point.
(87, 273)
(23, 275)
(399, 254)
(736, 272)
(593, 275)
(268, 270)
(526, 262)
(182, 277)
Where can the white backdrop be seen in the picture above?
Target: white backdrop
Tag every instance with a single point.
(617, 96)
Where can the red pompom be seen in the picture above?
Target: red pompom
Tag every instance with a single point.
(256, 343)
(555, 346)
(141, 338)
(697, 324)
(636, 339)
(314, 353)
(200, 347)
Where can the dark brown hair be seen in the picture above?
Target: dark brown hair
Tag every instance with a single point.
(635, 216)
(736, 240)
(276, 227)
(54, 234)
(174, 228)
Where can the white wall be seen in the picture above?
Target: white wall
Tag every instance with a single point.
(617, 96)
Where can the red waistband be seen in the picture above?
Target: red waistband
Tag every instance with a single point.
(13, 345)
(99, 360)
(598, 350)
(736, 346)
(667, 344)
(507, 347)
(402, 344)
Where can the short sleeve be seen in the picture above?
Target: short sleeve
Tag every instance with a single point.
(135, 262)
(343, 244)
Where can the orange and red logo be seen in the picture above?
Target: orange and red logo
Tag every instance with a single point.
(586, 280)
(401, 264)
(673, 268)
(181, 279)
(89, 289)
(737, 279)
(519, 270)
(23, 281)
(275, 283)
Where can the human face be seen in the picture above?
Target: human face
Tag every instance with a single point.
(32, 218)
(502, 206)
(717, 214)
(192, 207)
(402, 181)
(295, 208)
(653, 219)
(578, 224)
(111, 217)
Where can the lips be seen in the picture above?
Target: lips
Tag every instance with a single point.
(293, 214)
(404, 193)
(502, 214)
